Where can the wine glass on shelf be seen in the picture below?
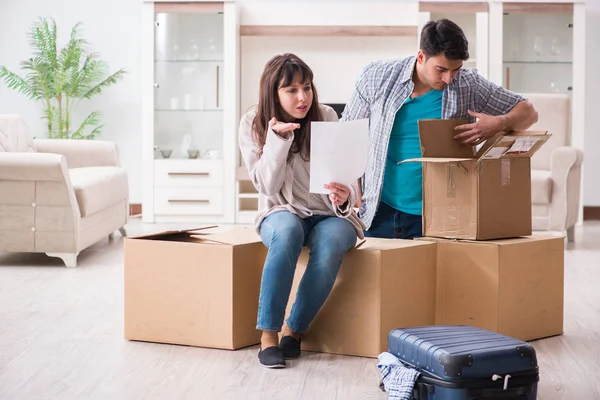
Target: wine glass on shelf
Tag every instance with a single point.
(537, 46)
(554, 47)
(514, 48)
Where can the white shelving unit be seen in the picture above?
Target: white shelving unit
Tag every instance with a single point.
(190, 85)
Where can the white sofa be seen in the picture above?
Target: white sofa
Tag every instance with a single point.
(555, 168)
(58, 196)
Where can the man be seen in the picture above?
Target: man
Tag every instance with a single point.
(395, 94)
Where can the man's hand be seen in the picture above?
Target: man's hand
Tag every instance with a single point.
(484, 128)
(281, 129)
(339, 193)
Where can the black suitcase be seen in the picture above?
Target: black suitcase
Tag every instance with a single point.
(466, 363)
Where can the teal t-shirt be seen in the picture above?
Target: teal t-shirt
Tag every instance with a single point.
(403, 183)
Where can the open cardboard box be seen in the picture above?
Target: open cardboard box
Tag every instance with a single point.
(186, 287)
(478, 195)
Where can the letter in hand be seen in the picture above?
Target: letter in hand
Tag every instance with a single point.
(339, 193)
(282, 129)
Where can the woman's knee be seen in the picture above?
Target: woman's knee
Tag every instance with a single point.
(282, 227)
(336, 238)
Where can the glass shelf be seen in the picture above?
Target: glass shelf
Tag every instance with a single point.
(188, 61)
(189, 80)
(539, 62)
(188, 110)
(192, 160)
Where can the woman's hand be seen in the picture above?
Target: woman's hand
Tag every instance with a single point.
(339, 193)
(282, 129)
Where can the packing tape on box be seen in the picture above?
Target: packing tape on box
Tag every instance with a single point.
(451, 170)
(450, 183)
(505, 171)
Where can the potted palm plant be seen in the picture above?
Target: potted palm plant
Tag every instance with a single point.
(60, 79)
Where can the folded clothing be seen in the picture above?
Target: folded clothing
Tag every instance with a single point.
(397, 379)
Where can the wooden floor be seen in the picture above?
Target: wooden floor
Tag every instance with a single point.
(61, 337)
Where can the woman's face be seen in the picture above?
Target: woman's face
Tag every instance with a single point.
(296, 99)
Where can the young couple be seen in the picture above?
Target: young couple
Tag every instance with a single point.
(274, 140)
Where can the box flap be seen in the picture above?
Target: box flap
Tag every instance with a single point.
(171, 232)
(234, 237)
(512, 144)
(495, 242)
(437, 139)
(388, 244)
(436, 160)
(359, 243)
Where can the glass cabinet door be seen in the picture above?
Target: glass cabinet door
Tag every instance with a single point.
(538, 51)
(188, 71)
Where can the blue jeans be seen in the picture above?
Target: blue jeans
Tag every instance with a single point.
(284, 234)
(390, 223)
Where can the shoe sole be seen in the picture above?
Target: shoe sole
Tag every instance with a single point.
(278, 366)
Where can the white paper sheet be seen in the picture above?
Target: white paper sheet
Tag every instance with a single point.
(338, 153)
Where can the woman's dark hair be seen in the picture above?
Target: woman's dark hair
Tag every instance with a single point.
(280, 71)
(444, 37)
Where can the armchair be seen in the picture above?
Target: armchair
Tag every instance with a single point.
(58, 196)
(555, 168)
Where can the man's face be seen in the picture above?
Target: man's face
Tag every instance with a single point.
(438, 70)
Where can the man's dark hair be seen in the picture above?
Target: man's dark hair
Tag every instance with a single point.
(444, 37)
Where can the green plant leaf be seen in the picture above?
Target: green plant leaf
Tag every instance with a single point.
(92, 119)
(98, 88)
(61, 78)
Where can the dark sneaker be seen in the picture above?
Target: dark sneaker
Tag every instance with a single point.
(271, 357)
(290, 347)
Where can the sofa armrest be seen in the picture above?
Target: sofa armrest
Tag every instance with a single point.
(81, 153)
(565, 171)
(32, 167)
(39, 211)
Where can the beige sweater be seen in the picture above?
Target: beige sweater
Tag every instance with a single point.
(284, 185)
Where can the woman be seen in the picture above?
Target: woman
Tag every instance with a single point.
(275, 145)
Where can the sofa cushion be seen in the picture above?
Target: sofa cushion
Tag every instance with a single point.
(541, 186)
(97, 188)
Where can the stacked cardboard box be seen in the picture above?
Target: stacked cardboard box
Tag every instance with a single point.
(477, 207)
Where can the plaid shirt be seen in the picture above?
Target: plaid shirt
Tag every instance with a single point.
(396, 379)
(381, 90)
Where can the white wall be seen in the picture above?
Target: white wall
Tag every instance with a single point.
(336, 61)
(113, 28)
(591, 183)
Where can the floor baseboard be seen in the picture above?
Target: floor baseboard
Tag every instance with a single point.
(135, 209)
(591, 213)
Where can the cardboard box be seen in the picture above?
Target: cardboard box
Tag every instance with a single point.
(383, 284)
(192, 289)
(513, 286)
(476, 195)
